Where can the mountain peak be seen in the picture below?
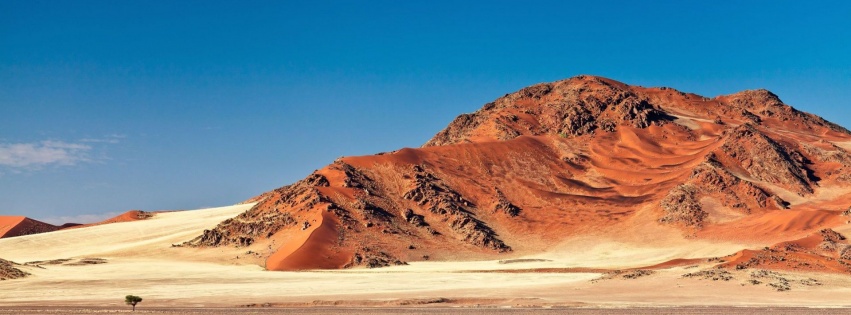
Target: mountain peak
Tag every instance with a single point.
(587, 104)
(573, 107)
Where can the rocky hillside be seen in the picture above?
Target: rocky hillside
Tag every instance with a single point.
(586, 156)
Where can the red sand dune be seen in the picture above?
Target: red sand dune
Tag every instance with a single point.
(129, 216)
(824, 251)
(11, 226)
(586, 156)
(310, 250)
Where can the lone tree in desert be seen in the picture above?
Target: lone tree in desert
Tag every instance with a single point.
(132, 300)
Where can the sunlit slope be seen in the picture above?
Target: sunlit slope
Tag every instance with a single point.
(151, 238)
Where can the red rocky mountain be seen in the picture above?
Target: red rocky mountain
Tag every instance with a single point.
(582, 157)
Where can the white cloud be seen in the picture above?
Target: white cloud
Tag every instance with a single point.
(113, 138)
(80, 218)
(38, 154)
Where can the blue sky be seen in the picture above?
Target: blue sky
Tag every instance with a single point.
(107, 106)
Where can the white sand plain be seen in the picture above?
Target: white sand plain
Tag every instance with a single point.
(141, 261)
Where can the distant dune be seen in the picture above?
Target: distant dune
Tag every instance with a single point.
(132, 215)
(11, 226)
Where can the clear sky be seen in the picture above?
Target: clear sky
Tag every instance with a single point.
(107, 106)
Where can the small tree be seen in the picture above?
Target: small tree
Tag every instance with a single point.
(132, 300)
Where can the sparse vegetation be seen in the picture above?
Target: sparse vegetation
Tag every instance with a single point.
(627, 274)
(132, 300)
(711, 274)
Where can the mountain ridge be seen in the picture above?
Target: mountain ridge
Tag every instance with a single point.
(581, 156)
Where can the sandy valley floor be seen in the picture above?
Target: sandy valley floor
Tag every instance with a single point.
(97, 266)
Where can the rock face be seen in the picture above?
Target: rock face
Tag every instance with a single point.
(582, 156)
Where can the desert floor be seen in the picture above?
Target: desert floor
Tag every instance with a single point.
(436, 311)
(99, 265)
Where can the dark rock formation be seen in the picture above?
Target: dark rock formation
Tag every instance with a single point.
(434, 195)
(505, 206)
(9, 270)
(767, 160)
(366, 257)
(681, 206)
(244, 229)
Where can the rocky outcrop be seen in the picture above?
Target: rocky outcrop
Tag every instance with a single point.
(267, 217)
(733, 192)
(714, 180)
(587, 104)
(431, 193)
(830, 241)
(369, 258)
(681, 205)
(825, 250)
(418, 221)
(829, 153)
(243, 230)
(459, 129)
(573, 107)
(9, 270)
(767, 160)
(769, 106)
(504, 206)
